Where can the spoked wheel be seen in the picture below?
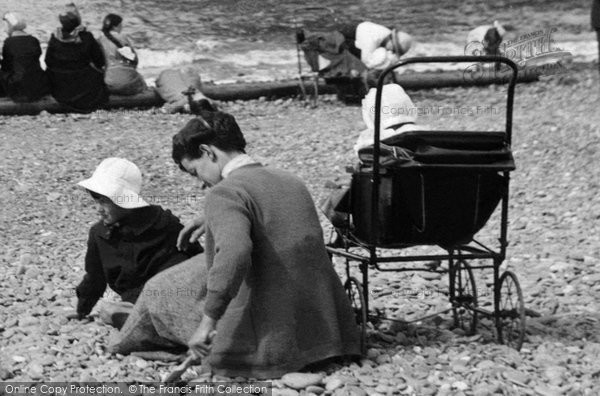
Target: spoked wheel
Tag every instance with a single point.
(464, 297)
(510, 325)
(354, 291)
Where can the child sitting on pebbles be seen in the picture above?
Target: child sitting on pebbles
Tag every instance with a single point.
(132, 242)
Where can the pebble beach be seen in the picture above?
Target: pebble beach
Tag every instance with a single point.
(554, 234)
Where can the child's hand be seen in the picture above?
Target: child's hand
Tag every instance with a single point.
(190, 233)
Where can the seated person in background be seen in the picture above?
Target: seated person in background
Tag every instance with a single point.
(121, 76)
(485, 40)
(132, 242)
(353, 57)
(171, 85)
(329, 55)
(268, 287)
(75, 64)
(21, 76)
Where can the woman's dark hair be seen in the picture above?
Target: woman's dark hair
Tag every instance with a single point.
(69, 21)
(110, 22)
(210, 127)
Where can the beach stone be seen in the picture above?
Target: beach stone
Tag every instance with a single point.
(317, 390)
(485, 364)
(5, 374)
(516, 376)
(141, 363)
(333, 383)
(372, 353)
(19, 359)
(547, 390)
(284, 392)
(427, 389)
(460, 385)
(444, 389)
(559, 267)
(44, 360)
(28, 321)
(367, 363)
(386, 337)
(383, 359)
(401, 338)
(301, 380)
(367, 380)
(485, 389)
(570, 349)
(350, 390)
(555, 375)
(459, 332)
(431, 275)
(35, 371)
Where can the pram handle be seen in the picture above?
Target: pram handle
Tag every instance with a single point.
(434, 59)
(448, 59)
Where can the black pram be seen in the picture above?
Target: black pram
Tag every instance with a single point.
(436, 189)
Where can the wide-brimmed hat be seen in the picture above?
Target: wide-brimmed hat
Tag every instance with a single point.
(15, 21)
(119, 180)
(401, 42)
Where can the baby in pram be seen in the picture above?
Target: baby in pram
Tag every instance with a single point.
(398, 116)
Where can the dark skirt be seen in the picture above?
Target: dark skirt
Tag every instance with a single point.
(82, 89)
(24, 88)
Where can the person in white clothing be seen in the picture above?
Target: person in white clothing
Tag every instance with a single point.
(380, 46)
(398, 115)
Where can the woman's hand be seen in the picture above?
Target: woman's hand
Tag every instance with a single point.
(200, 341)
(190, 233)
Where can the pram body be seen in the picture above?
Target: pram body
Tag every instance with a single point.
(436, 188)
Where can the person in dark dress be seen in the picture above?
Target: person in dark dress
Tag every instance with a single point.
(76, 64)
(132, 242)
(21, 76)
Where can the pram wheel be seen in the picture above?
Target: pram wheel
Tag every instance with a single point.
(463, 296)
(354, 291)
(510, 325)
